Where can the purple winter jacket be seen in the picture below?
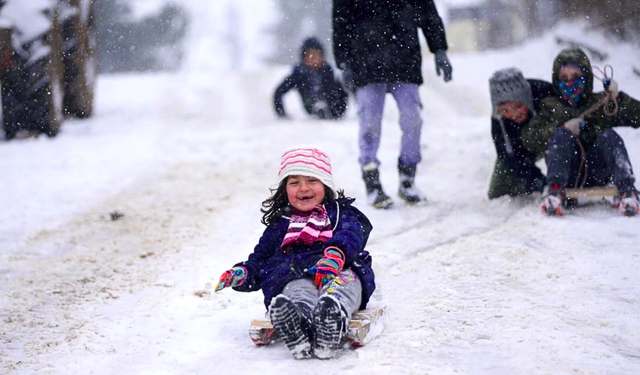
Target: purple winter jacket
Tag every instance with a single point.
(270, 269)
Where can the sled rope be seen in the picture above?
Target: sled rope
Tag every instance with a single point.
(606, 75)
(583, 160)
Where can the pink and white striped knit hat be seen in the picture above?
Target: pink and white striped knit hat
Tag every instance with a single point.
(306, 161)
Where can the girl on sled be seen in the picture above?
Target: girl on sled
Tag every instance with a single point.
(310, 261)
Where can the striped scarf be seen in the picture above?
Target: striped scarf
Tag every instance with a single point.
(306, 228)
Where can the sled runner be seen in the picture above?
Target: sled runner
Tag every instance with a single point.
(593, 194)
(360, 325)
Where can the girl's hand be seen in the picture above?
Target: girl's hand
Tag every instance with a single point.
(329, 266)
(233, 277)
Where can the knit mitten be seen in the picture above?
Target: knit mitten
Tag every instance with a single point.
(233, 277)
(575, 125)
(329, 266)
(611, 86)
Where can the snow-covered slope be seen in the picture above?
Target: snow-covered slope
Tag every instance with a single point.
(471, 286)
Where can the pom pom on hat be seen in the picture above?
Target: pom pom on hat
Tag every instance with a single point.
(508, 85)
(306, 161)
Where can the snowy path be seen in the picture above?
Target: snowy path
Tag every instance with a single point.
(471, 286)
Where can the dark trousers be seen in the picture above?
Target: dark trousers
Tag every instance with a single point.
(606, 161)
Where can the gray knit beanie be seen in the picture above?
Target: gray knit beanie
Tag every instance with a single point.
(509, 85)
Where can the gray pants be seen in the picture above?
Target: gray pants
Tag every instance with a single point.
(370, 100)
(346, 288)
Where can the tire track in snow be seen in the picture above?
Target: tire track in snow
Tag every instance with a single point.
(465, 229)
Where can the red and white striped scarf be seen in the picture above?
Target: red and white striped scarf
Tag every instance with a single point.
(306, 228)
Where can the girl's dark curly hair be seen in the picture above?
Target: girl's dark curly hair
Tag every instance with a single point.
(278, 204)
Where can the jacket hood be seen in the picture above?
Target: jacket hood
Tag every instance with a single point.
(572, 56)
(310, 43)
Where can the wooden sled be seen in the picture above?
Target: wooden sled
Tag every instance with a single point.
(262, 332)
(607, 193)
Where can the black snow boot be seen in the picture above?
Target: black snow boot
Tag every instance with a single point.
(628, 202)
(331, 322)
(408, 191)
(294, 326)
(375, 195)
(555, 202)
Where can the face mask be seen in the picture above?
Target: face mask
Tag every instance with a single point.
(573, 90)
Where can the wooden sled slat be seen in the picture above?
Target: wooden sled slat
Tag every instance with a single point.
(261, 323)
(592, 192)
(366, 316)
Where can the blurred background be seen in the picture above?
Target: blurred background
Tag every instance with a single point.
(471, 25)
(151, 34)
(140, 35)
(53, 50)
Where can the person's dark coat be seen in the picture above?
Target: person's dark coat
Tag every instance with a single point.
(507, 137)
(270, 269)
(378, 40)
(313, 86)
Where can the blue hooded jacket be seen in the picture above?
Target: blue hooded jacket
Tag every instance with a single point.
(313, 85)
(270, 269)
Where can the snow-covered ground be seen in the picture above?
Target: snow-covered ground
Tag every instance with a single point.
(470, 286)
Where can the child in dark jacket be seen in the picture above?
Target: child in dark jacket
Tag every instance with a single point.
(515, 101)
(574, 127)
(310, 261)
(322, 96)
